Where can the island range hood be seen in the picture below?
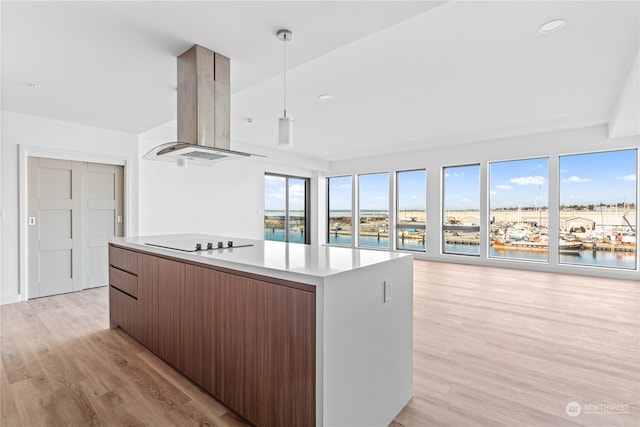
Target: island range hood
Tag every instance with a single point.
(204, 99)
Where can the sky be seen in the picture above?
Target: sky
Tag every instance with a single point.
(523, 183)
(462, 188)
(412, 190)
(340, 193)
(595, 178)
(374, 191)
(275, 193)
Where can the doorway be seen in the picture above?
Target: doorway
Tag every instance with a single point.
(73, 208)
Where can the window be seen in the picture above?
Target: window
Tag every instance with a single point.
(275, 207)
(461, 206)
(340, 210)
(518, 209)
(411, 207)
(373, 214)
(286, 207)
(598, 209)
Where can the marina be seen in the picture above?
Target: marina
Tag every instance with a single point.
(597, 238)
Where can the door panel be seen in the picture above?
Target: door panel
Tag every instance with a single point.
(55, 224)
(54, 179)
(55, 272)
(54, 205)
(73, 209)
(103, 205)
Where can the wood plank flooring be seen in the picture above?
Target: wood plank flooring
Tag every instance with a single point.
(63, 366)
(502, 347)
(493, 347)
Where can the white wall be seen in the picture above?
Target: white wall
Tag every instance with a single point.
(51, 138)
(582, 140)
(225, 199)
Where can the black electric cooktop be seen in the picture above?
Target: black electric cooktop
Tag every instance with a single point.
(199, 245)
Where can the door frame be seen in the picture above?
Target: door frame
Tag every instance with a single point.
(26, 151)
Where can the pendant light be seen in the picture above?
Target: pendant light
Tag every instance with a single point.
(285, 123)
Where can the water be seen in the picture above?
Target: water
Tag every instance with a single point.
(278, 235)
(625, 260)
(373, 242)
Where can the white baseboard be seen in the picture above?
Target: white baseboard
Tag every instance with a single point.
(9, 299)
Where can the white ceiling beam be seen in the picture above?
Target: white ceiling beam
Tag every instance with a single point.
(625, 120)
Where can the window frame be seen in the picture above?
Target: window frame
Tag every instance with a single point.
(444, 227)
(307, 207)
(559, 207)
(399, 226)
(489, 211)
(328, 199)
(357, 195)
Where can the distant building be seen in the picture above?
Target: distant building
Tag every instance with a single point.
(577, 224)
(470, 220)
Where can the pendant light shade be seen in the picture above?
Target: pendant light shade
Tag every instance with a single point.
(285, 132)
(285, 123)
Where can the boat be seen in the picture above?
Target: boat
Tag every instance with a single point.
(520, 245)
(567, 246)
(518, 233)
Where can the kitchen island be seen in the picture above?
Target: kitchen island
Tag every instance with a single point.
(283, 334)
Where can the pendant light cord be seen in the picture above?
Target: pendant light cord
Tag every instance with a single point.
(284, 42)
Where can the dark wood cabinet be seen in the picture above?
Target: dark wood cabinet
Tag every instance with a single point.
(124, 281)
(249, 342)
(123, 289)
(171, 296)
(236, 325)
(122, 310)
(286, 356)
(147, 305)
(123, 259)
(197, 320)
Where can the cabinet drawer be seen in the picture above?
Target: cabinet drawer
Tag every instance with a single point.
(122, 310)
(123, 259)
(126, 282)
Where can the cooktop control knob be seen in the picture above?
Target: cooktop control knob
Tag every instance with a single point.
(198, 247)
(209, 245)
(229, 244)
(220, 245)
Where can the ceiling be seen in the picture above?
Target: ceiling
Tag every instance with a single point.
(403, 75)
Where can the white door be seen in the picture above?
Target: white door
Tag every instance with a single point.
(103, 219)
(54, 220)
(73, 208)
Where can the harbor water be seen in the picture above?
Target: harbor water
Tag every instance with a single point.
(626, 260)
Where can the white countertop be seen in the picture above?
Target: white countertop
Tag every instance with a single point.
(290, 261)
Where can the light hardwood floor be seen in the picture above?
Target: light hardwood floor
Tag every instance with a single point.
(493, 347)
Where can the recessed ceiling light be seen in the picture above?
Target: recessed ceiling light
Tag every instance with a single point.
(551, 26)
(413, 138)
(250, 120)
(325, 97)
(35, 86)
(561, 115)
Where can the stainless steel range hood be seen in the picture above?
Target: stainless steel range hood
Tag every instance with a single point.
(203, 111)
